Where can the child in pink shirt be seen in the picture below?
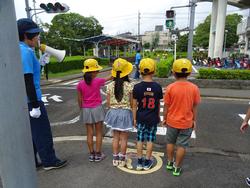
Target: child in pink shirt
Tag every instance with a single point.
(90, 103)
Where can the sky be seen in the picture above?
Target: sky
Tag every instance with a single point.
(122, 16)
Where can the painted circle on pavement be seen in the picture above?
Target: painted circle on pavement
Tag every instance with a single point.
(132, 161)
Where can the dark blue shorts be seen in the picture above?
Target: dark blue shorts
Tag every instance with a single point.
(145, 132)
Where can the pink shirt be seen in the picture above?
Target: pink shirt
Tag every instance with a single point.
(91, 95)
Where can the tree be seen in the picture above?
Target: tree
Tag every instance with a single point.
(182, 43)
(201, 38)
(71, 25)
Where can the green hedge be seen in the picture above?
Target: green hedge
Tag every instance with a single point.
(72, 63)
(164, 67)
(224, 74)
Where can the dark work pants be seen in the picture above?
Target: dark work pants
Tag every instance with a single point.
(42, 137)
(137, 73)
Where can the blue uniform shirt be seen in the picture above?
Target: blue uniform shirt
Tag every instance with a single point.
(31, 65)
(148, 95)
(137, 58)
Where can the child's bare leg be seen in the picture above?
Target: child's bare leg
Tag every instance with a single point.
(90, 133)
(139, 149)
(149, 150)
(98, 129)
(124, 141)
(115, 144)
(180, 153)
(170, 152)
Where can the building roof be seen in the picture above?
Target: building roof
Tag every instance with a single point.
(106, 40)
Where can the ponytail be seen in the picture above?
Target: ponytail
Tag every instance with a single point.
(118, 87)
(87, 77)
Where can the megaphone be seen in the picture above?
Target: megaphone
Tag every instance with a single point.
(58, 54)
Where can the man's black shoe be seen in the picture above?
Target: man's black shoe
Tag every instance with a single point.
(39, 166)
(58, 164)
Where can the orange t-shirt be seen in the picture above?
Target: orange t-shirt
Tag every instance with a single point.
(180, 97)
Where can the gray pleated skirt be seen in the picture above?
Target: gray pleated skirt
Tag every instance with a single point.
(119, 119)
(92, 115)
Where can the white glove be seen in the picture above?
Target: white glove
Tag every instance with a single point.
(35, 112)
(44, 59)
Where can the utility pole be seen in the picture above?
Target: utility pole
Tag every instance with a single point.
(139, 19)
(27, 8)
(17, 165)
(192, 4)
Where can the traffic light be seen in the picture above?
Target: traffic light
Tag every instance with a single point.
(170, 19)
(54, 8)
(170, 14)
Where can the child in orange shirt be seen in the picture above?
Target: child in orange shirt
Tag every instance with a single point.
(180, 111)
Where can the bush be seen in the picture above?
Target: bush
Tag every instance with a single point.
(163, 68)
(72, 63)
(224, 74)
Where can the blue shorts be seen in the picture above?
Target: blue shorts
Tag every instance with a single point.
(148, 132)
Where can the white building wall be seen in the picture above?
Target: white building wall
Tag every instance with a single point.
(164, 38)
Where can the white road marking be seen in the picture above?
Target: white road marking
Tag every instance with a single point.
(76, 119)
(70, 82)
(195, 70)
(243, 117)
(56, 98)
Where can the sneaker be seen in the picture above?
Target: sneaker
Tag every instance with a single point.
(248, 181)
(58, 164)
(99, 157)
(129, 164)
(148, 164)
(170, 165)
(122, 161)
(177, 171)
(139, 164)
(115, 160)
(92, 156)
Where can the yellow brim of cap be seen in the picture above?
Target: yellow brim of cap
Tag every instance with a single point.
(92, 69)
(127, 71)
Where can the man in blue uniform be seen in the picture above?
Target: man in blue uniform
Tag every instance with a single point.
(40, 126)
(137, 63)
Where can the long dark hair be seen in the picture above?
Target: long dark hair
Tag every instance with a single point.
(119, 86)
(87, 77)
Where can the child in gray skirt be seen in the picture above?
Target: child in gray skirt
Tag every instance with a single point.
(119, 116)
(90, 103)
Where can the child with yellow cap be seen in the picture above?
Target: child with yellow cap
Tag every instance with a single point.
(180, 109)
(146, 108)
(119, 116)
(90, 103)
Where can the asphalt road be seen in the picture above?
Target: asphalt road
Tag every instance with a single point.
(218, 120)
(218, 157)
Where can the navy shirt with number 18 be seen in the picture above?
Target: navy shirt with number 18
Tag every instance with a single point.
(148, 96)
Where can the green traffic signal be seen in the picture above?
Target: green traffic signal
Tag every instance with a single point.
(170, 24)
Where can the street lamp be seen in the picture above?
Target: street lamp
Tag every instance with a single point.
(225, 42)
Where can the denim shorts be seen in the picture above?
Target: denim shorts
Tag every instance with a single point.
(179, 137)
(146, 132)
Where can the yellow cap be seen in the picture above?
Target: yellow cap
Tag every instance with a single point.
(147, 63)
(182, 66)
(91, 65)
(123, 66)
